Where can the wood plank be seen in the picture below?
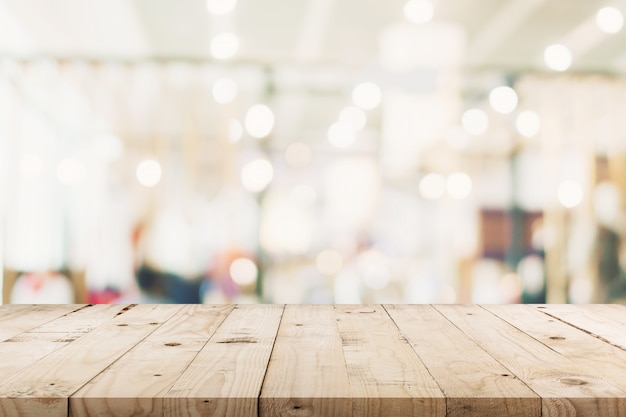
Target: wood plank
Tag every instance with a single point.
(16, 319)
(43, 387)
(225, 378)
(307, 373)
(386, 376)
(20, 352)
(605, 322)
(83, 320)
(474, 382)
(567, 387)
(606, 359)
(616, 312)
(25, 348)
(136, 384)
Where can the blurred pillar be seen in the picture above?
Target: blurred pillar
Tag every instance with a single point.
(552, 102)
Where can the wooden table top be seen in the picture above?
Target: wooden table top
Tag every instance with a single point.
(312, 360)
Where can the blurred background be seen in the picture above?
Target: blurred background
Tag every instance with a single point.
(312, 151)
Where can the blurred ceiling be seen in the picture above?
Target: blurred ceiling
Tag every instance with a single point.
(301, 57)
(501, 34)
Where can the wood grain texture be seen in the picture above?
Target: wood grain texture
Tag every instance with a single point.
(387, 378)
(225, 378)
(608, 361)
(14, 320)
(43, 387)
(307, 373)
(135, 384)
(605, 321)
(312, 360)
(84, 319)
(470, 377)
(567, 387)
(27, 347)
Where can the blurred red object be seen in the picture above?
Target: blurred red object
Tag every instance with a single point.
(103, 297)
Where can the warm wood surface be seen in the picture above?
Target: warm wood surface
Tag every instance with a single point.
(312, 360)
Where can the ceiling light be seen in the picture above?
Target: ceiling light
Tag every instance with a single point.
(610, 20)
(558, 57)
(503, 99)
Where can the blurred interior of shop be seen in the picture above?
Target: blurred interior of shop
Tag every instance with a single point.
(312, 151)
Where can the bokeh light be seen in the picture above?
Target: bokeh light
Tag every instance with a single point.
(528, 123)
(329, 262)
(459, 185)
(341, 135)
(224, 90)
(419, 11)
(221, 7)
(367, 95)
(148, 173)
(432, 186)
(475, 122)
(256, 175)
(224, 46)
(243, 271)
(610, 19)
(503, 99)
(259, 121)
(570, 194)
(558, 57)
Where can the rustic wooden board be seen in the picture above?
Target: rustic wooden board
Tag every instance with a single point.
(225, 378)
(387, 378)
(43, 387)
(14, 321)
(84, 319)
(470, 377)
(608, 361)
(608, 323)
(135, 384)
(25, 348)
(312, 360)
(567, 387)
(307, 373)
